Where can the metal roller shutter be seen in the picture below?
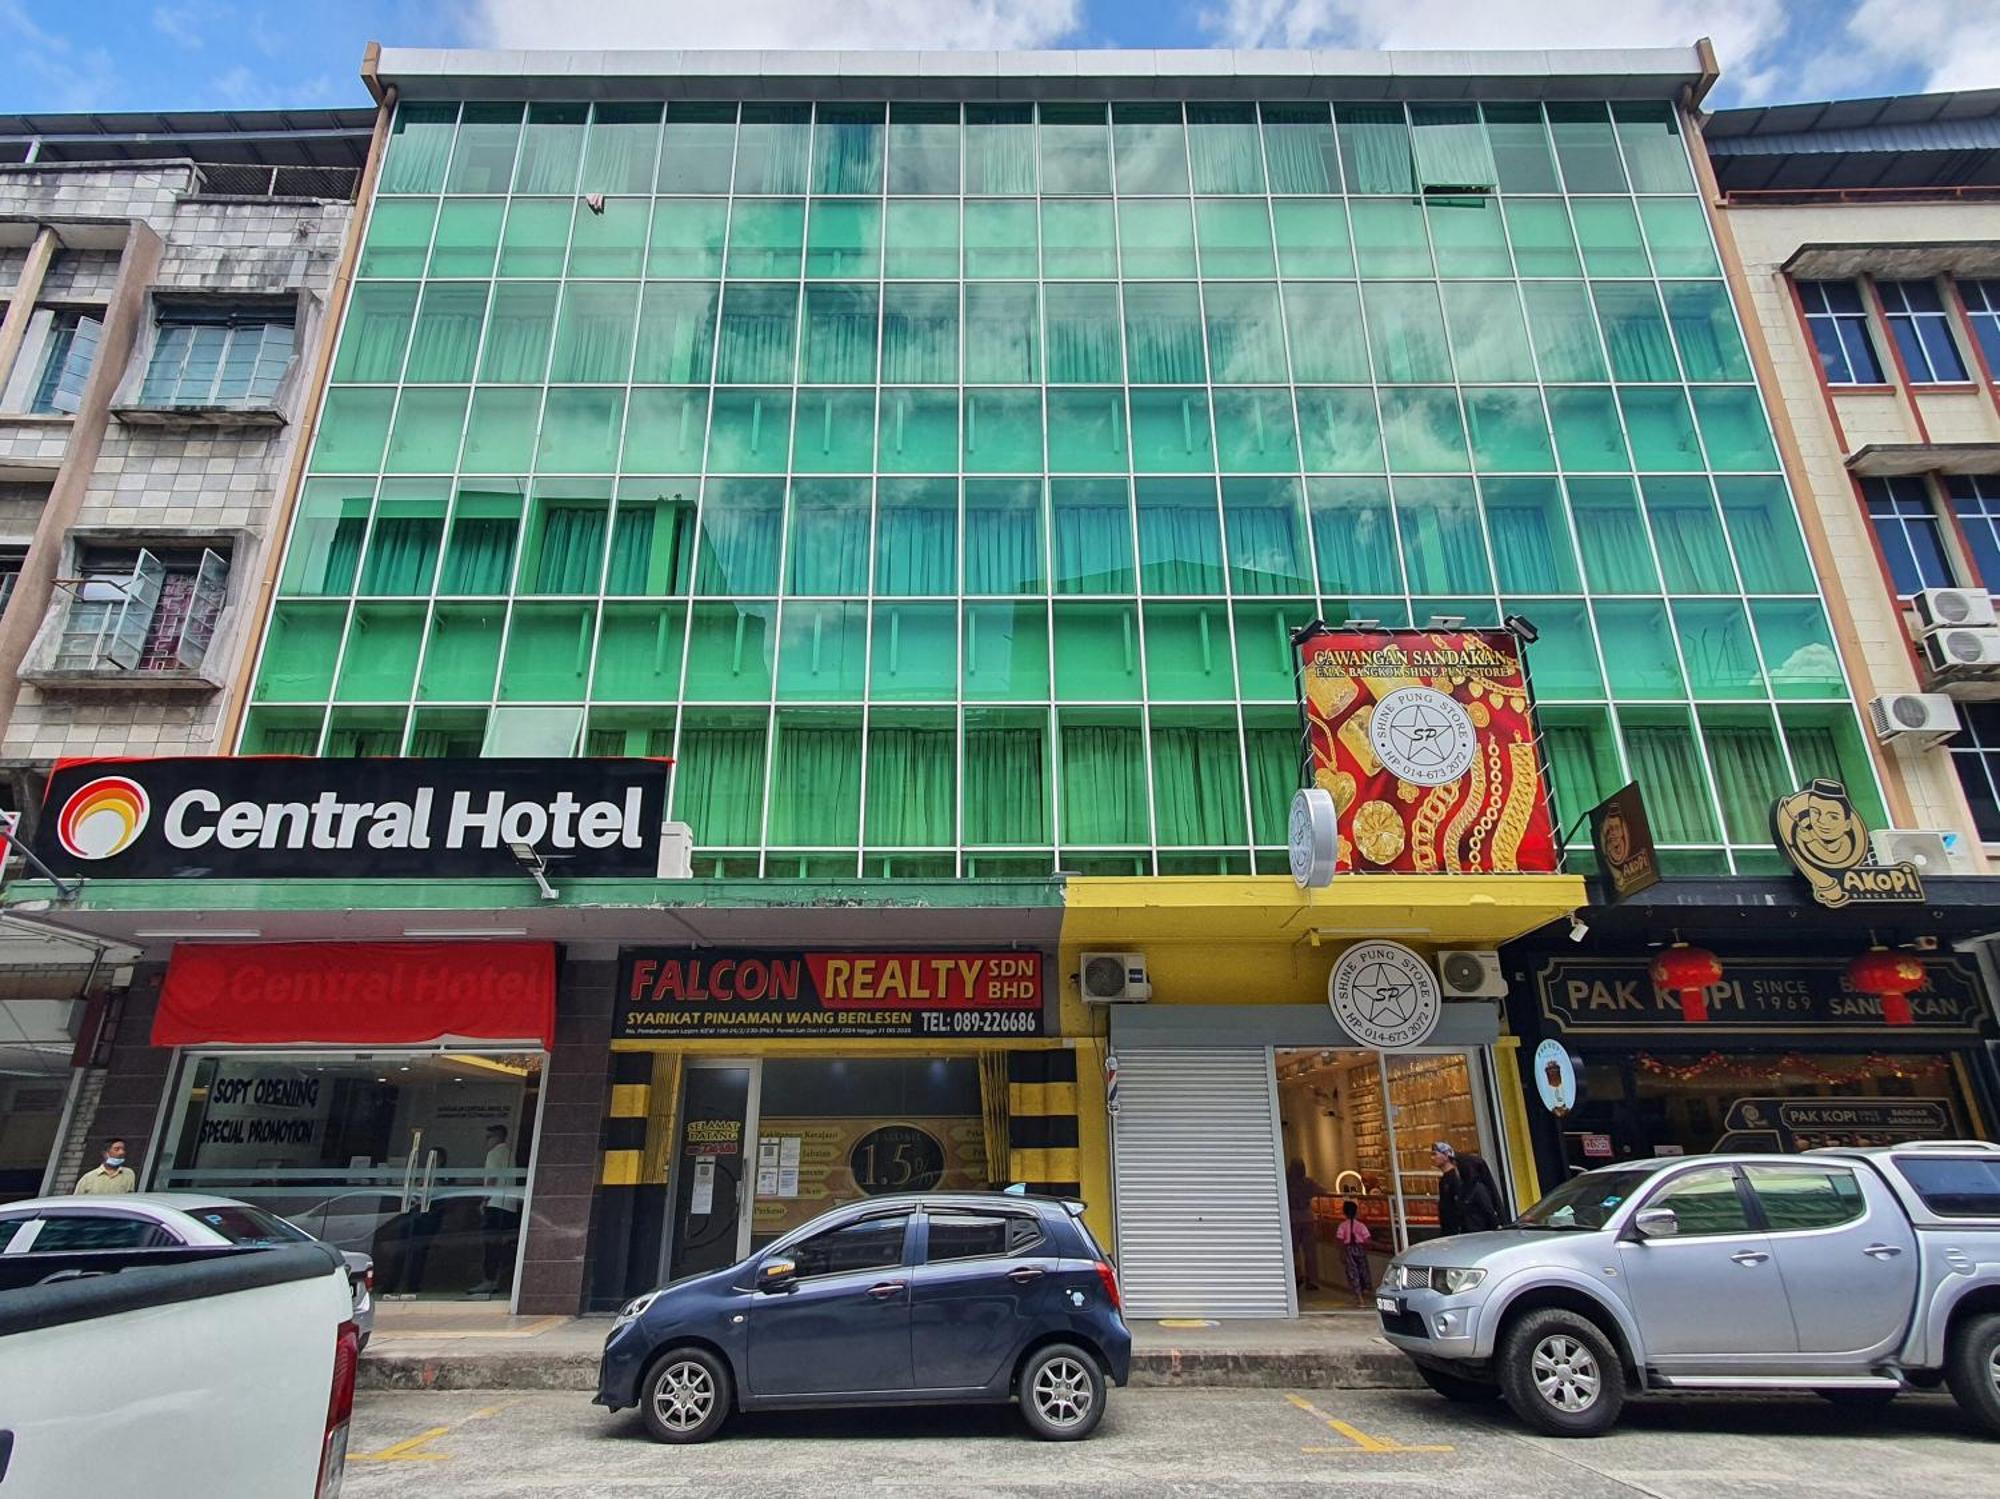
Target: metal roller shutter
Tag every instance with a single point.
(1201, 1199)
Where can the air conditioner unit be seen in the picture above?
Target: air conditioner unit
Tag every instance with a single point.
(1953, 652)
(1935, 851)
(1471, 973)
(1113, 978)
(1939, 607)
(1918, 719)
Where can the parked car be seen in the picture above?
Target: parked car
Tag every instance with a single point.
(1853, 1273)
(54, 1226)
(182, 1372)
(961, 1298)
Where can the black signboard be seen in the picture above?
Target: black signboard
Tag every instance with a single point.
(677, 992)
(281, 817)
(1622, 835)
(1801, 996)
(1795, 1124)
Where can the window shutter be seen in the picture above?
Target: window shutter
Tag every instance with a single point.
(211, 585)
(125, 643)
(82, 354)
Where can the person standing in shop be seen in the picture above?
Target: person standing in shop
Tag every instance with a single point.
(1300, 1190)
(499, 1217)
(111, 1176)
(1353, 1237)
(1468, 1197)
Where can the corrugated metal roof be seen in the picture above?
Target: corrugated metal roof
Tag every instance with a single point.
(264, 137)
(1906, 141)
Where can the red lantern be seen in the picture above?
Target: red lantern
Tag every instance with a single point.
(1688, 972)
(1892, 976)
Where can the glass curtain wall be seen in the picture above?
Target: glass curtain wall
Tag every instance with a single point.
(937, 484)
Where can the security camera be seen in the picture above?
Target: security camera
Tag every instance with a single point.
(1578, 927)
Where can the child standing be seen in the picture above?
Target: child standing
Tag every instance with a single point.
(1352, 1235)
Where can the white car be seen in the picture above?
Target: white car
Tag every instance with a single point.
(160, 1220)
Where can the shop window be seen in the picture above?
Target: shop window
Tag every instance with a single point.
(139, 610)
(1911, 536)
(1798, 1198)
(224, 355)
(1975, 500)
(67, 355)
(1922, 330)
(1706, 1202)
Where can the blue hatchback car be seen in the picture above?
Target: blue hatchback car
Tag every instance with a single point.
(960, 1298)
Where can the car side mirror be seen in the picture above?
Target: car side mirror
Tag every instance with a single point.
(1655, 1223)
(777, 1275)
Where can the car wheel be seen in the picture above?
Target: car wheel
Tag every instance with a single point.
(687, 1396)
(1973, 1370)
(1457, 1387)
(1062, 1393)
(1561, 1375)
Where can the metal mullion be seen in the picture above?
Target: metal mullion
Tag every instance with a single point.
(1375, 394)
(1561, 479)
(959, 613)
(1646, 529)
(1132, 501)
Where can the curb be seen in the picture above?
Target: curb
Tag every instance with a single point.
(1153, 1369)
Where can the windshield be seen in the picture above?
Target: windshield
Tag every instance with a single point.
(1584, 1202)
(248, 1226)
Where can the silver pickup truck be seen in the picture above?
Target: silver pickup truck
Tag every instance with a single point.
(1853, 1273)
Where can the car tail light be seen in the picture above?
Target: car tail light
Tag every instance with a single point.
(368, 1277)
(1110, 1278)
(339, 1409)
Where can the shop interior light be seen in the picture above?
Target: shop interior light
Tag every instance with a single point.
(465, 931)
(190, 933)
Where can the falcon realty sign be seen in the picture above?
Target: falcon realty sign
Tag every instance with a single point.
(256, 817)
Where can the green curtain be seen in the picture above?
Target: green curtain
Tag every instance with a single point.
(343, 550)
(400, 559)
(447, 334)
(771, 148)
(1565, 332)
(1092, 534)
(1442, 547)
(676, 334)
(1002, 335)
(719, 784)
(916, 541)
(481, 553)
(920, 335)
(847, 150)
(1375, 148)
(1274, 776)
(740, 529)
(1267, 552)
(1665, 764)
(1693, 554)
(1163, 334)
(1246, 337)
(286, 741)
(1084, 337)
(816, 787)
(356, 744)
(631, 549)
(1769, 553)
(1606, 514)
(1705, 329)
(829, 548)
(517, 342)
(371, 348)
(1530, 551)
(1815, 752)
(1451, 146)
(442, 744)
(1571, 753)
(1299, 149)
(1222, 139)
(1003, 538)
(419, 146)
(572, 549)
(1006, 786)
(910, 788)
(1103, 786)
(999, 148)
(1198, 785)
(623, 141)
(1749, 775)
(840, 335)
(1635, 329)
(1353, 534)
(1179, 551)
(759, 328)
(551, 147)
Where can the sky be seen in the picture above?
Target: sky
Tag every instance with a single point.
(258, 54)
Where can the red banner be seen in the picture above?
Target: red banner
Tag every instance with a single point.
(1425, 740)
(357, 993)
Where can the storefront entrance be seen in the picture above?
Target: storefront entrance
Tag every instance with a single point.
(418, 1158)
(763, 1145)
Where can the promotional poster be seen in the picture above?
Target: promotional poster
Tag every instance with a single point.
(1426, 742)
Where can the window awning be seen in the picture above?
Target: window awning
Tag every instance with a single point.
(357, 994)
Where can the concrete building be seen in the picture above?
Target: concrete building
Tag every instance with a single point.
(166, 282)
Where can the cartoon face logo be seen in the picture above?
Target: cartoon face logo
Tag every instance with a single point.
(1819, 829)
(103, 817)
(1617, 839)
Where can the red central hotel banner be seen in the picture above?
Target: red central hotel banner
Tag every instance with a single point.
(1426, 742)
(763, 993)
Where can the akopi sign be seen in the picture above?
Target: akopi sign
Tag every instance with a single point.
(262, 817)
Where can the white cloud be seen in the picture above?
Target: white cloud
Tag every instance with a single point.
(179, 23)
(53, 67)
(1952, 44)
(938, 25)
(1745, 32)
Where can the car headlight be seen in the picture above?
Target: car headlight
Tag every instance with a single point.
(1451, 1282)
(634, 1309)
(1395, 1278)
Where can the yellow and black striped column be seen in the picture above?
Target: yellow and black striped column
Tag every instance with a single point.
(625, 1119)
(1041, 1121)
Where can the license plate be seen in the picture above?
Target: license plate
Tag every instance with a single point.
(1388, 1304)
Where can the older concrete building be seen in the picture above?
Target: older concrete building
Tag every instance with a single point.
(167, 282)
(1864, 240)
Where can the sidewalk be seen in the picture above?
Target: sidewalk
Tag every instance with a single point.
(455, 1346)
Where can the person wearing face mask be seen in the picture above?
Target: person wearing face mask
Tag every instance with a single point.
(113, 1176)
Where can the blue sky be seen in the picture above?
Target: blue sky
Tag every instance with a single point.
(248, 54)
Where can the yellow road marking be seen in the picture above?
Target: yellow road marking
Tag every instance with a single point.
(1359, 1440)
(405, 1451)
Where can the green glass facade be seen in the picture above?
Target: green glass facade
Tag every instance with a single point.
(938, 484)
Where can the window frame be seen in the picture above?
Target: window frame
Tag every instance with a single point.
(134, 605)
(1752, 1218)
(1907, 324)
(790, 1250)
(1982, 322)
(55, 392)
(1803, 1168)
(1009, 1250)
(1881, 495)
(1975, 753)
(236, 319)
(1842, 323)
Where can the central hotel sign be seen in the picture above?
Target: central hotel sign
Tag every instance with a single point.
(663, 993)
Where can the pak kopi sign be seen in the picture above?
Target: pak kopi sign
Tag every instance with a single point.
(1425, 741)
(276, 817)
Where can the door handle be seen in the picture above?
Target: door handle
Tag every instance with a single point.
(1025, 1273)
(886, 1290)
(1749, 1257)
(1883, 1251)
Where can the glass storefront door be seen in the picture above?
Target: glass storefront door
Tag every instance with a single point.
(419, 1159)
(711, 1200)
